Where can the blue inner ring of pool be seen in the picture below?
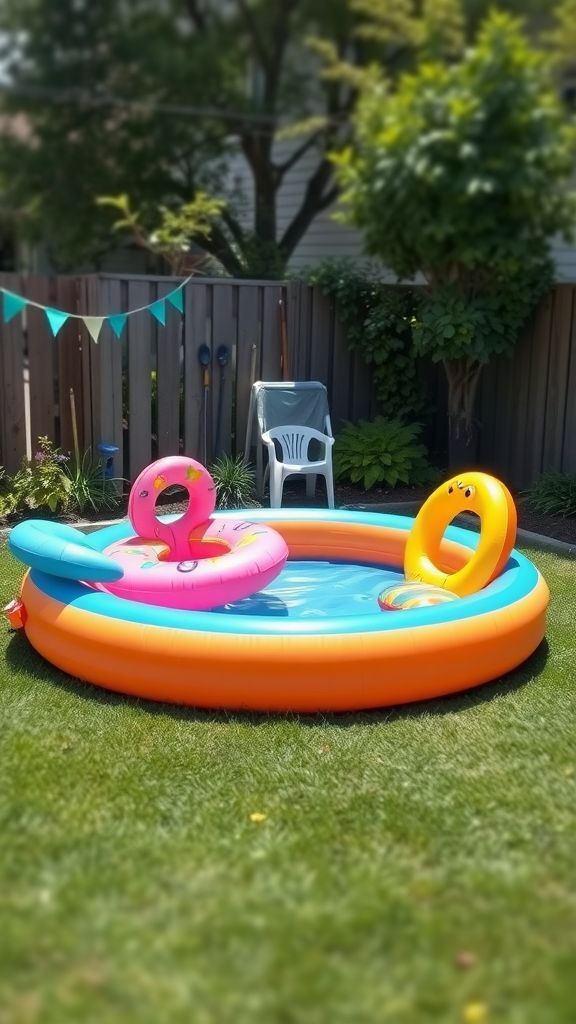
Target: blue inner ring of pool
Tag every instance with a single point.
(315, 598)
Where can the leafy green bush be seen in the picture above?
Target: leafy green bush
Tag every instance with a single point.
(461, 173)
(379, 323)
(235, 483)
(88, 487)
(51, 481)
(41, 483)
(554, 493)
(381, 452)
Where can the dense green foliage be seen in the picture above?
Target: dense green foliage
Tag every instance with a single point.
(39, 484)
(58, 483)
(156, 101)
(378, 319)
(383, 451)
(553, 493)
(170, 236)
(459, 174)
(235, 482)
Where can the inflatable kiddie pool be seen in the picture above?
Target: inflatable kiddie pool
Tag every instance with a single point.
(325, 610)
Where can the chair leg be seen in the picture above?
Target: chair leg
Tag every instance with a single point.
(310, 485)
(330, 486)
(276, 485)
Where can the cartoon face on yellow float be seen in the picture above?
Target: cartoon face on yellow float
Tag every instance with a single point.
(469, 492)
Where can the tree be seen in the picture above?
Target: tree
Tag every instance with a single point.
(460, 175)
(171, 236)
(153, 99)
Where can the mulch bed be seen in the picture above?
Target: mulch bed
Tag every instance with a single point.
(557, 527)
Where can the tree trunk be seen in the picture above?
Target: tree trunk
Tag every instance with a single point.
(463, 376)
(265, 202)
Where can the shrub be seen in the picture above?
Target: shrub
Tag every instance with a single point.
(52, 481)
(41, 483)
(554, 493)
(88, 487)
(382, 451)
(235, 483)
(461, 173)
(379, 319)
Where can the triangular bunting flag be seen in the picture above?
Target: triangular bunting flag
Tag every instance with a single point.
(12, 305)
(158, 309)
(117, 322)
(93, 326)
(55, 319)
(177, 298)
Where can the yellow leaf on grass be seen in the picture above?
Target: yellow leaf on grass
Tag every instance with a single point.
(257, 816)
(475, 1013)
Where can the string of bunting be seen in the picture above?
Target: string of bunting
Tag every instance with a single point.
(13, 304)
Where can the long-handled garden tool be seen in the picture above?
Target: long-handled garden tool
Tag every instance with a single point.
(204, 357)
(222, 357)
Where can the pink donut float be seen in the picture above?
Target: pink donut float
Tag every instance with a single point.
(193, 562)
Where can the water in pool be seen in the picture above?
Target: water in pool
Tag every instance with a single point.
(314, 590)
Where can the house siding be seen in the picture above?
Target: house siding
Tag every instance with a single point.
(326, 237)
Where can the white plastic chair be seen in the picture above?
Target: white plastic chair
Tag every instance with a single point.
(295, 443)
(273, 403)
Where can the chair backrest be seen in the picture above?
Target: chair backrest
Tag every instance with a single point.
(295, 441)
(300, 402)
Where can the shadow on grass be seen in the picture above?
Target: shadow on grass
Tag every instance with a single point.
(22, 658)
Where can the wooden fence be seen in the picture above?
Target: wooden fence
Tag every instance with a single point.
(113, 380)
(527, 403)
(526, 408)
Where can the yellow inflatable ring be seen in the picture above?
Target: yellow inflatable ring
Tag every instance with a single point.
(470, 492)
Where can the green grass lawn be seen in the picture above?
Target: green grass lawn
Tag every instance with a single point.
(415, 865)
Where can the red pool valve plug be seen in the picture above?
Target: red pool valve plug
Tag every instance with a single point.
(16, 613)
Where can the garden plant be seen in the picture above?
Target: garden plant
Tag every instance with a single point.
(459, 174)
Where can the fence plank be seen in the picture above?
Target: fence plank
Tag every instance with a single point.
(341, 376)
(508, 394)
(86, 347)
(568, 461)
(271, 343)
(361, 389)
(538, 388)
(89, 302)
(294, 292)
(246, 368)
(13, 439)
(42, 363)
(322, 319)
(224, 333)
(195, 334)
(555, 410)
(110, 351)
(521, 362)
(305, 334)
(69, 355)
(168, 382)
(139, 329)
(487, 406)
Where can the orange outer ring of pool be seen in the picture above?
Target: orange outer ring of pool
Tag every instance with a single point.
(298, 672)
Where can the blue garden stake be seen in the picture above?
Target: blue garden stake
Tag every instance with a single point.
(107, 451)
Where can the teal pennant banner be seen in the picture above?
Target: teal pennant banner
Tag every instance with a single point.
(56, 319)
(158, 309)
(177, 298)
(13, 304)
